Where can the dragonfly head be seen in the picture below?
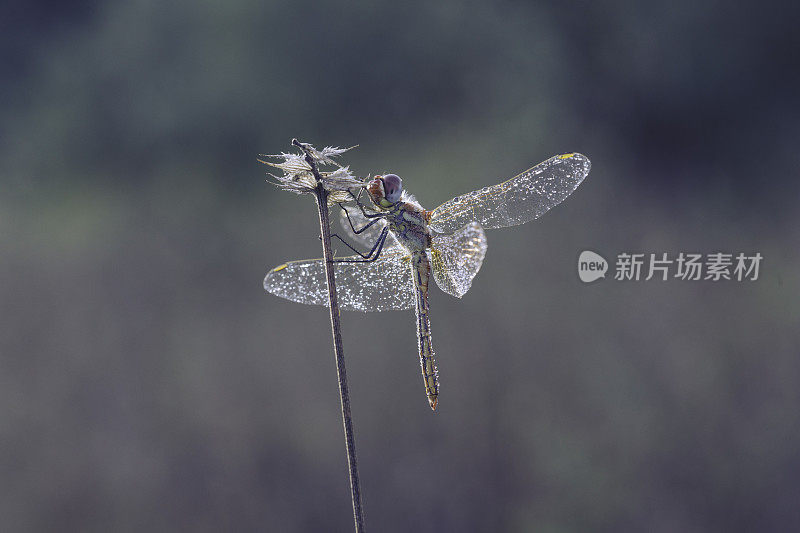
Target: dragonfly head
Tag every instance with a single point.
(385, 190)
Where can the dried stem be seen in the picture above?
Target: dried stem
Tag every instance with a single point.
(321, 195)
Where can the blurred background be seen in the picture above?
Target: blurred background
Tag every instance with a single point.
(147, 383)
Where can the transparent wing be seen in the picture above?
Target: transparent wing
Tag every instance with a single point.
(367, 237)
(456, 258)
(521, 199)
(381, 285)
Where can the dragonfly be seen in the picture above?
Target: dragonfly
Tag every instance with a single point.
(409, 243)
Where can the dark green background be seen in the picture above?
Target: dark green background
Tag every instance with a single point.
(148, 384)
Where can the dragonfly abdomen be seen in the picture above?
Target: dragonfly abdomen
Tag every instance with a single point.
(420, 271)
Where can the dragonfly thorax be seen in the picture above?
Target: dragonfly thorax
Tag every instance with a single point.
(408, 224)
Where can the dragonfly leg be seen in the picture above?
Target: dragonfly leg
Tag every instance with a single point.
(357, 200)
(349, 245)
(357, 231)
(377, 249)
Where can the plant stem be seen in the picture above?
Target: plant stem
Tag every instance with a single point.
(344, 394)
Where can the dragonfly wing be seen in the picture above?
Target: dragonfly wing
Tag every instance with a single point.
(380, 285)
(457, 257)
(521, 199)
(367, 237)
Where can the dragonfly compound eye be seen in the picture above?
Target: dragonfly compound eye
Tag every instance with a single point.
(393, 187)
